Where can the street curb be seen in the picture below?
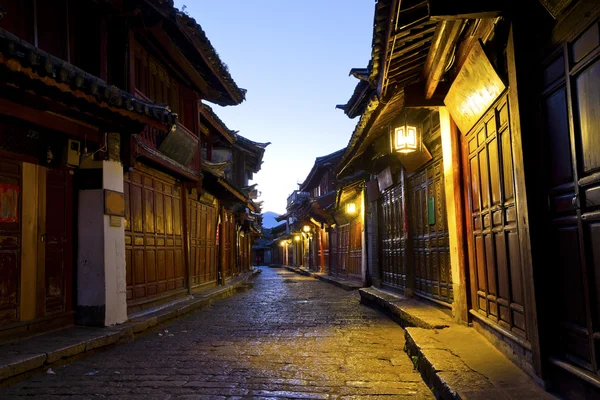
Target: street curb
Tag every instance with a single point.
(405, 311)
(438, 386)
(343, 284)
(448, 375)
(15, 367)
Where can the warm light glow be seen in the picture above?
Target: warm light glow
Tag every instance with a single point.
(282, 243)
(306, 228)
(297, 238)
(350, 208)
(405, 139)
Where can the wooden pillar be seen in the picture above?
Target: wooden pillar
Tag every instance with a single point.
(455, 215)
(221, 272)
(186, 237)
(30, 235)
(363, 236)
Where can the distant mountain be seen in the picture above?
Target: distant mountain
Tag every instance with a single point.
(268, 219)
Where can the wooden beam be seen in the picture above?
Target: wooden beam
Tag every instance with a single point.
(444, 10)
(440, 52)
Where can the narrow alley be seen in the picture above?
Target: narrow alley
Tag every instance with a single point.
(289, 336)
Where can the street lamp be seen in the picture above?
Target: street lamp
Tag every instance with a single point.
(306, 228)
(282, 243)
(297, 238)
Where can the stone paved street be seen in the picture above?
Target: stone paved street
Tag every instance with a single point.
(289, 337)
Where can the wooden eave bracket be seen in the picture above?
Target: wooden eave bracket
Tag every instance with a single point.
(442, 48)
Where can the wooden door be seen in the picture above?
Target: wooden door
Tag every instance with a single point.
(228, 225)
(202, 223)
(343, 248)
(494, 246)
(58, 266)
(355, 249)
(324, 247)
(153, 235)
(392, 240)
(333, 251)
(428, 231)
(10, 233)
(571, 102)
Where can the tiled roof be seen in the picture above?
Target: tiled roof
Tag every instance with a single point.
(196, 34)
(316, 172)
(207, 112)
(33, 64)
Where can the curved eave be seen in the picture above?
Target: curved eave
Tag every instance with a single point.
(36, 68)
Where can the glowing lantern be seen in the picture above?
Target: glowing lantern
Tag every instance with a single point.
(350, 208)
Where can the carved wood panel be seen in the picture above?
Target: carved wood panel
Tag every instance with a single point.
(428, 231)
(202, 223)
(494, 246)
(153, 235)
(10, 232)
(392, 240)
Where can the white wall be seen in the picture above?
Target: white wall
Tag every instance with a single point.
(101, 251)
(114, 251)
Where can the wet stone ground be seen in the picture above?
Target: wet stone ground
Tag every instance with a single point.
(289, 337)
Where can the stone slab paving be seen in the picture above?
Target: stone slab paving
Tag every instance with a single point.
(290, 337)
(339, 282)
(22, 358)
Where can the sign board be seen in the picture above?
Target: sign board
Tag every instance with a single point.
(114, 203)
(384, 179)
(474, 90)
(431, 210)
(9, 203)
(179, 146)
(372, 190)
(555, 7)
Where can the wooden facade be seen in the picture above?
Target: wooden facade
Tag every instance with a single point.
(510, 182)
(202, 230)
(154, 240)
(78, 98)
(413, 232)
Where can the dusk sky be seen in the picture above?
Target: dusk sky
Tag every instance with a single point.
(293, 57)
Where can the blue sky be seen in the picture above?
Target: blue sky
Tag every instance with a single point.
(293, 57)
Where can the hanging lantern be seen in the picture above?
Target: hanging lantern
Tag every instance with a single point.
(404, 138)
(350, 208)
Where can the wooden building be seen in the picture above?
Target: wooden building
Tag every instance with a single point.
(321, 184)
(105, 211)
(326, 221)
(481, 142)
